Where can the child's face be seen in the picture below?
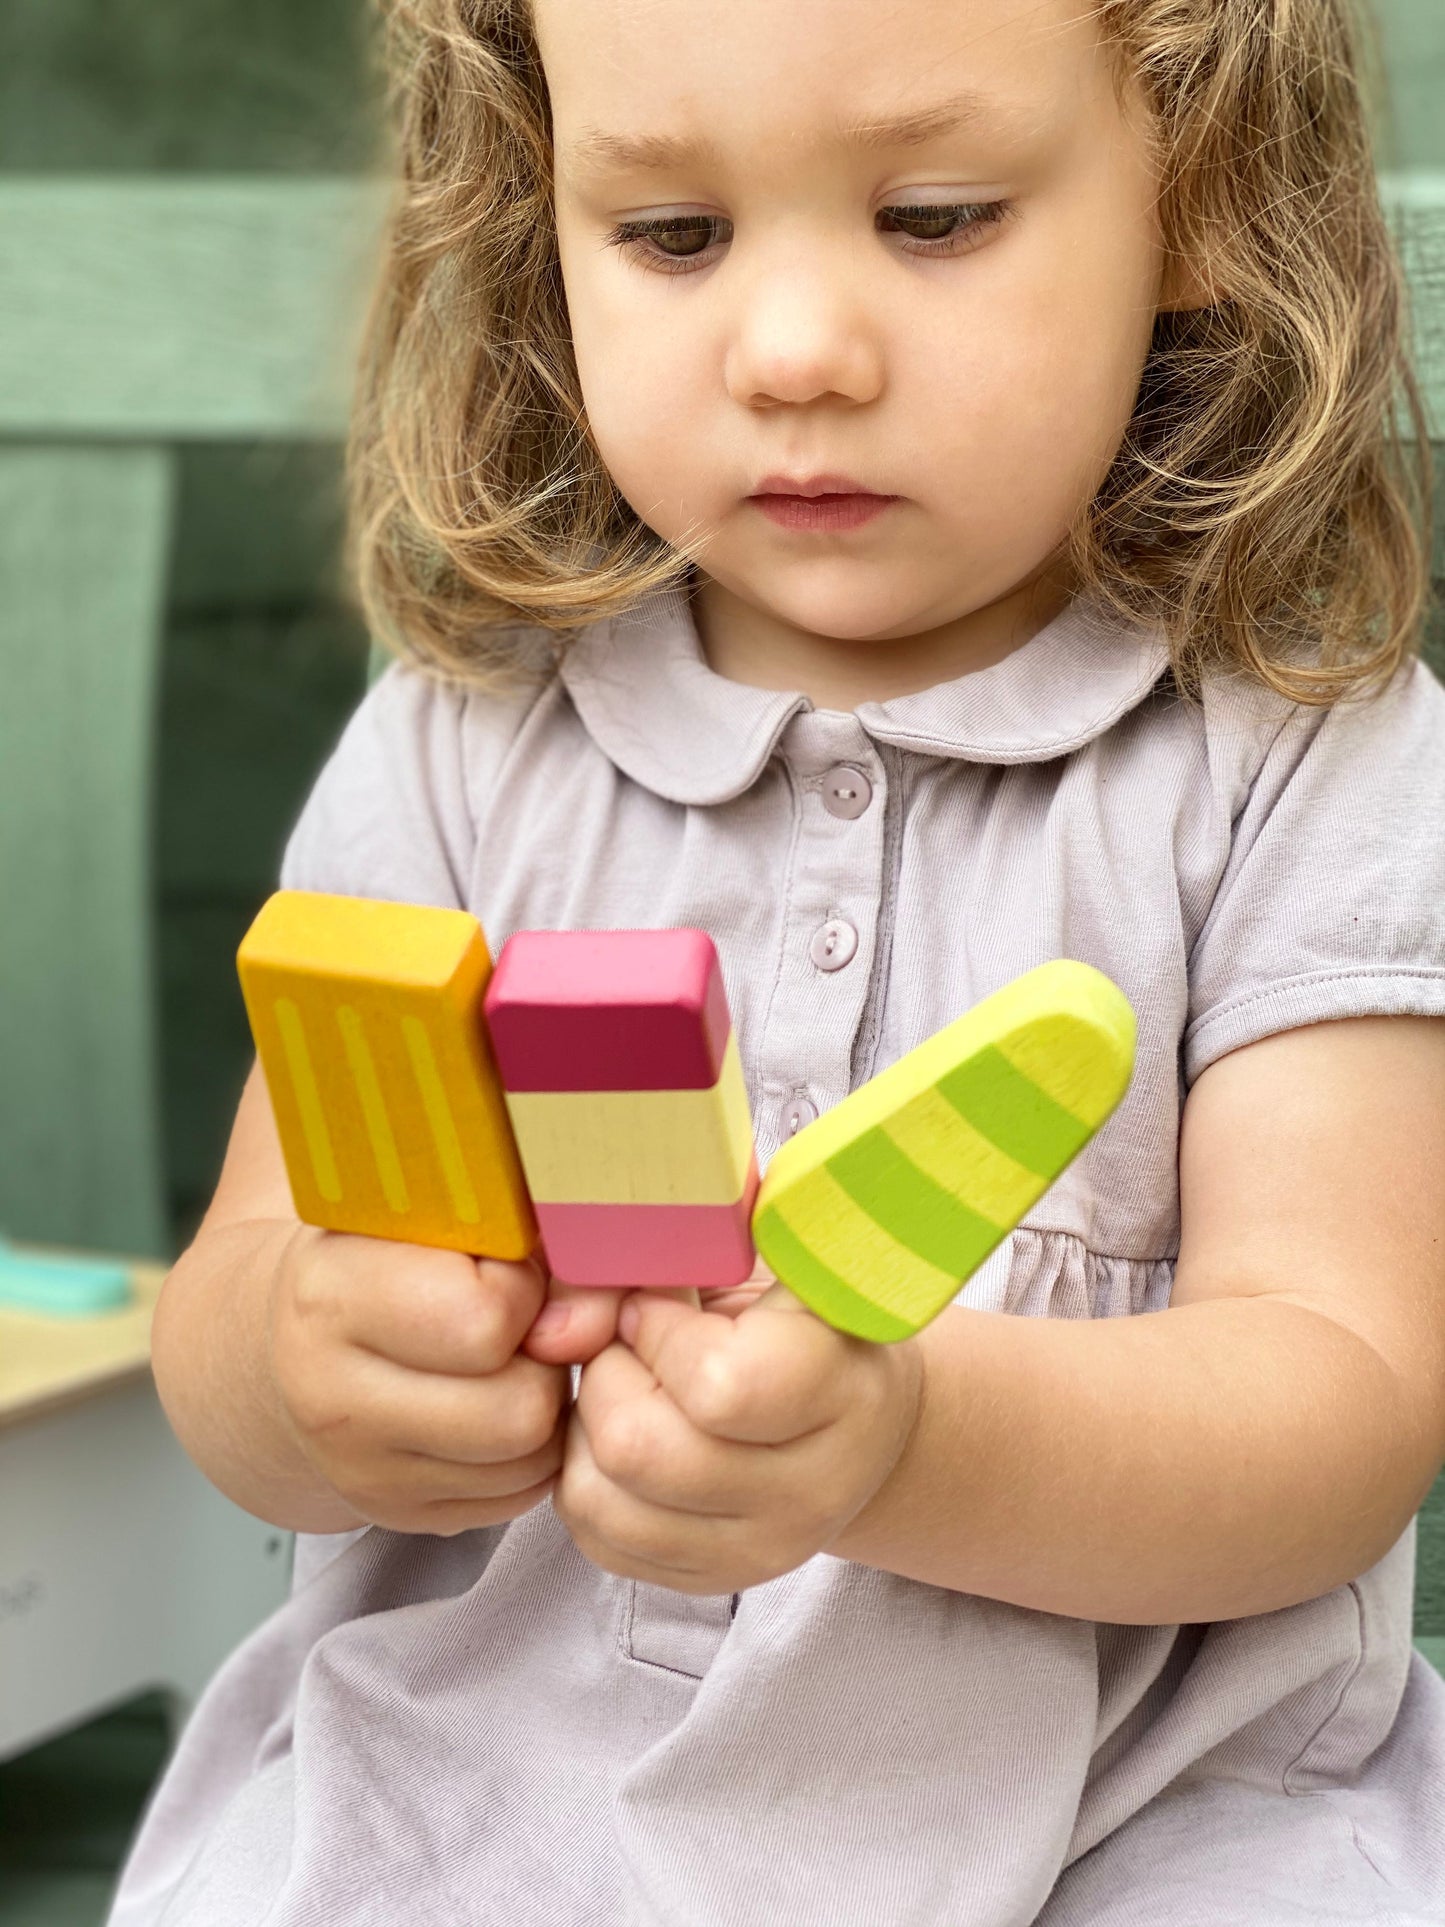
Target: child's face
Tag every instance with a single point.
(980, 369)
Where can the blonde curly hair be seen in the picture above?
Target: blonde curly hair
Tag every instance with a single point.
(1266, 509)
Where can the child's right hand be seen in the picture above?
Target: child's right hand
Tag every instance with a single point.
(401, 1376)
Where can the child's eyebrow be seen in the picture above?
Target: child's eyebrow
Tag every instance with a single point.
(595, 147)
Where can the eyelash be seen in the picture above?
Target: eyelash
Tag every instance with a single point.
(634, 237)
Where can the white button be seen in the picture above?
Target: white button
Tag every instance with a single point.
(797, 1112)
(846, 791)
(834, 945)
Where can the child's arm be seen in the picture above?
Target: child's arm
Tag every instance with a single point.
(1261, 1441)
(322, 1381)
(1267, 1437)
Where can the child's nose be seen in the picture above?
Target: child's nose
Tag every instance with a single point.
(802, 333)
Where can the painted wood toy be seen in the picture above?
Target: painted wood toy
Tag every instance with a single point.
(626, 1094)
(875, 1214)
(61, 1284)
(368, 1023)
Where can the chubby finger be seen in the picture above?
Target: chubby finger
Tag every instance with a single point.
(731, 1299)
(640, 1441)
(403, 1509)
(446, 1518)
(579, 1321)
(573, 1324)
(365, 1404)
(626, 1534)
(399, 1478)
(441, 1311)
(769, 1375)
(611, 1526)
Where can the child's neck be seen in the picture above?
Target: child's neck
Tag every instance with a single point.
(750, 645)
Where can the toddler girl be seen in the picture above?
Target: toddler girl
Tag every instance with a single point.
(914, 491)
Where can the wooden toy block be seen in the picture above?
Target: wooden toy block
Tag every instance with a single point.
(368, 1022)
(609, 1010)
(877, 1213)
(650, 1244)
(626, 1094)
(692, 1147)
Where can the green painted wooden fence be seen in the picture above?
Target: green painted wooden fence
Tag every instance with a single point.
(134, 316)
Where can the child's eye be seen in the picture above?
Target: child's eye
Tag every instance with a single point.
(679, 243)
(940, 226)
(673, 242)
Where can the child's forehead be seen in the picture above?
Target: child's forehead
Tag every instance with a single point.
(671, 69)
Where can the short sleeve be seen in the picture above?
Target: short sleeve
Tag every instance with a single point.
(1332, 901)
(389, 815)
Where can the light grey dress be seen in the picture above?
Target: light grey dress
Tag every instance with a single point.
(490, 1729)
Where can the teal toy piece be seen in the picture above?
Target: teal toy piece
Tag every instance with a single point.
(60, 1287)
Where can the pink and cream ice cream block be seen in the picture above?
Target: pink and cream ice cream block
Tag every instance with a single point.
(625, 1088)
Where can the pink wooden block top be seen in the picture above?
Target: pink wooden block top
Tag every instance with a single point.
(608, 1010)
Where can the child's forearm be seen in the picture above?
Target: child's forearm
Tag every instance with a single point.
(210, 1354)
(1205, 1462)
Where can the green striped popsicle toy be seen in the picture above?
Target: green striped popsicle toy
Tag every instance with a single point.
(875, 1214)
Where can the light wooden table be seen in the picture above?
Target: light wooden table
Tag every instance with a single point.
(121, 1568)
(49, 1363)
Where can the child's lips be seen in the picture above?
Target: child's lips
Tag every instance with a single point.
(827, 513)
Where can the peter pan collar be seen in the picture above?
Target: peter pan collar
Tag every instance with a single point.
(647, 697)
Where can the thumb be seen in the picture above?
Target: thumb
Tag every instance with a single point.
(647, 1316)
(575, 1323)
(778, 1298)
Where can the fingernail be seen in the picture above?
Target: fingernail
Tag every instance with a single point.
(628, 1319)
(552, 1319)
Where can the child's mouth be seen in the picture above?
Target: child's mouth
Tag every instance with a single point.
(827, 512)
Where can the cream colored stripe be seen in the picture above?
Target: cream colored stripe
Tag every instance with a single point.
(841, 1235)
(960, 1160)
(637, 1147)
(373, 1107)
(439, 1117)
(1075, 1063)
(308, 1100)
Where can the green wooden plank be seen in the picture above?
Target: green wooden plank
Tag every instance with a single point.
(100, 86)
(1430, 1565)
(170, 309)
(1412, 42)
(259, 527)
(1415, 203)
(83, 541)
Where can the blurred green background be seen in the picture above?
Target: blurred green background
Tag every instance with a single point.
(260, 656)
(222, 578)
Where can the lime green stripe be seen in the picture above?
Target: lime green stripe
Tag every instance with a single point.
(308, 1100)
(439, 1116)
(920, 1215)
(868, 1259)
(946, 1147)
(373, 1107)
(1012, 1112)
(822, 1290)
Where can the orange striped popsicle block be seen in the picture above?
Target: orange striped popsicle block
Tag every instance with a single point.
(627, 1098)
(368, 1022)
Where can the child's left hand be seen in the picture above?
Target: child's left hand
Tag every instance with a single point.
(710, 1450)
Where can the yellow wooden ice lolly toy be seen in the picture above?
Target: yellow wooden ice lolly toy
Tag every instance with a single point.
(876, 1214)
(368, 1023)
